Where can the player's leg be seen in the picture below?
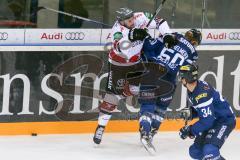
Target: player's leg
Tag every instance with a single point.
(215, 138)
(145, 120)
(109, 103)
(147, 102)
(161, 107)
(211, 151)
(110, 100)
(133, 78)
(195, 150)
(115, 86)
(157, 120)
(147, 108)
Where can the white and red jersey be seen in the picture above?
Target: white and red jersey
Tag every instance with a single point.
(130, 52)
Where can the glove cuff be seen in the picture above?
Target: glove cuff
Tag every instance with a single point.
(191, 135)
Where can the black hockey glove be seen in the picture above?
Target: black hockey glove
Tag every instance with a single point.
(169, 40)
(137, 34)
(186, 132)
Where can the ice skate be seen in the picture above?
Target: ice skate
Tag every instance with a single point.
(97, 138)
(147, 143)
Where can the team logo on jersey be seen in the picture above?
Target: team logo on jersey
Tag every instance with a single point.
(110, 81)
(120, 83)
(148, 15)
(202, 95)
(221, 132)
(117, 35)
(166, 99)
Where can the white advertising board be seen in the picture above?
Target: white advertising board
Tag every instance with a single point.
(9, 37)
(221, 36)
(98, 37)
(63, 37)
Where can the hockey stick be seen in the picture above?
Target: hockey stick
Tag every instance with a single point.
(156, 12)
(73, 15)
(186, 121)
(203, 14)
(186, 118)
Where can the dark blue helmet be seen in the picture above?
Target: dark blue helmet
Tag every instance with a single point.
(194, 36)
(189, 73)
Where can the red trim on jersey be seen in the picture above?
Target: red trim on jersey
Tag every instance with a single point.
(117, 58)
(135, 58)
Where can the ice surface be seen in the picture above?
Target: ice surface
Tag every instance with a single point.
(115, 146)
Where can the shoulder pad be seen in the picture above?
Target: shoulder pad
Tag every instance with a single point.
(205, 85)
(148, 15)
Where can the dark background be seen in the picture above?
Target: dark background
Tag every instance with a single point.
(178, 13)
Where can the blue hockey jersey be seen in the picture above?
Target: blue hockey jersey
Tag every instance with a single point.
(210, 107)
(181, 54)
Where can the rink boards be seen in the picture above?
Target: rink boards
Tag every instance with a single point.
(29, 128)
(32, 85)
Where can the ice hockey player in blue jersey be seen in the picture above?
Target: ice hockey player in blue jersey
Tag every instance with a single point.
(154, 104)
(216, 117)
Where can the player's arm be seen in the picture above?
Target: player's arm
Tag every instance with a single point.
(206, 116)
(150, 48)
(157, 23)
(206, 120)
(192, 59)
(162, 26)
(195, 56)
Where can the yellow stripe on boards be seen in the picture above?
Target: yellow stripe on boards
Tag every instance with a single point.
(76, 127)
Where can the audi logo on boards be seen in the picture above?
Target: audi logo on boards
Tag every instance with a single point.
(74, 36)
(234, 36)
(3, 36)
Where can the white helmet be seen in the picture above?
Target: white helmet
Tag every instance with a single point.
(124, 13)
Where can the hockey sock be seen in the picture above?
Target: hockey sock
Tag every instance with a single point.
(156, 121)
(211, 152)
(195, 151)
(104, 118)
(145, 124)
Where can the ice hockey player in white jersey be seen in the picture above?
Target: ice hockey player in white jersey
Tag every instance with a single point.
(128, 34)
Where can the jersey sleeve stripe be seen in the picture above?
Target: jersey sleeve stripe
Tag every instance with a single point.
(161, 22)
(189, 61)
(204, 104)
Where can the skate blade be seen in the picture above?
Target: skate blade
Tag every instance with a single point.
(149, 147)
(95, 145)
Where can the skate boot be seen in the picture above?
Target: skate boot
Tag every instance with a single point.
(153, 133)
(222, 158)
(97, 138)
